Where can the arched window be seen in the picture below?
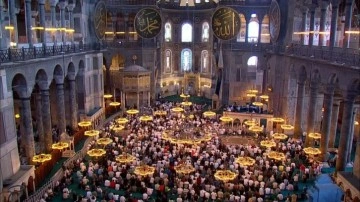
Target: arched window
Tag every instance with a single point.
(204, 61)
(186, 33)
(168, 32)
(253, 34)
(186, 60)
(168, 61)
(265, 32)
(252, 61)
(205, 32)
(242, 33)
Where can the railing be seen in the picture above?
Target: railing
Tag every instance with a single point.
(130, 44)
(343, 56)
(22, 54)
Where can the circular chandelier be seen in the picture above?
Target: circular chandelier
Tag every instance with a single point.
(287, 127)
(276, 155)
(117, 128)
(144, 170)
(250, 94)
(146, 118)
(96, 152)
(91, 133)
(315, 135)
(277, 120)
(177, 109)
(114, 104)
(254, 91)
(60, 145)
(41, 158)
(268, 143)
(107, 96)
(256, 128)
(125, 158)
(132, 111)
(185, 138)
(226, 119)
(104, 141)
(225, 175)
(279, 136)
(122, 120)
(250, 123)
(209, 114)
(160, 113)
(186, 104)
(245, 161)
(184, 168)
(312, 151)
(84, 124)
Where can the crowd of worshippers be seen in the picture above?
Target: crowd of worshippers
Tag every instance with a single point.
(104, 179)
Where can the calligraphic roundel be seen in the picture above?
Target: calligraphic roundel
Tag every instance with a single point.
(100, 19)
(274, 25)
(148, 23)
(225, 23)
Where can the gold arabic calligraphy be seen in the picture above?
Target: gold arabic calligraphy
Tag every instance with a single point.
(148, 23)
(226, 23)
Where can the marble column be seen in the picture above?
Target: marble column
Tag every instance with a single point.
(314, 88)
(312, 25)
(71, 16)
(28, 135)
(247, 28)
(53, 19)
(60, 98)
(356, 166)
(39, 123)
(114, 19)
(2, 44)
(334, 19)
(348, 16)
(351, 139)
(108, 78)
(299, 107)
(304, 21)
(53, 12)
(260, 24)
(13, 22)
(334, 123)
(62, 5)
(322, 35)
(41, 4)
(73, 104)
(28, 22)
(348, 112)
(46, 117)
(326, 121)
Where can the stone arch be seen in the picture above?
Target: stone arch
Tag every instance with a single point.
(19, 85)
(59, 74)
(71, 72)
(41, 79)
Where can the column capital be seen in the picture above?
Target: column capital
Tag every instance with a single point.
(59, 79)
(350, 96)
(43, 85)
(23, 91)
(329, 89)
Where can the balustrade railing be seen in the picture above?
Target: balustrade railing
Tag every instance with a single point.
(22, 54)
